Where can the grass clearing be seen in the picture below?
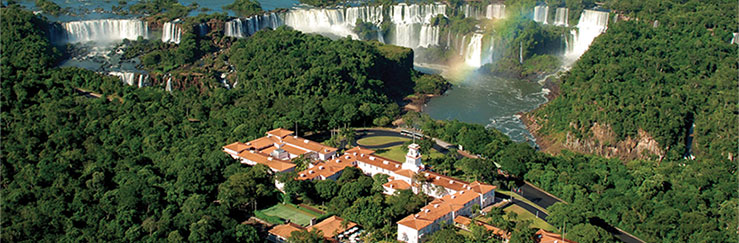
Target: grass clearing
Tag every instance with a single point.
(396, 153)
(292, 213)
(521, 198)
(380, 140)
(526, 215)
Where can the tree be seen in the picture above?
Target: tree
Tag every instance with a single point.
(561, 214)
(515, 157)
(246, 233)
(522, 232)
(588, 233)
(446, 235)
(327, 189)
(243, 189)
(304, 236)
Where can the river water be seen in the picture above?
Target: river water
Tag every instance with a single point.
(482, 98)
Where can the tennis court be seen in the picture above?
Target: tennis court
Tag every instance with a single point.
(290, 212)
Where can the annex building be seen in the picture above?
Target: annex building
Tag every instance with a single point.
(452, 197)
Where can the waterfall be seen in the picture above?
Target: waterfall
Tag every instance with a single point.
(410, 23)
(171, 32)
(369, 14)
(478, 51)
(101, 30)
(520, 53)
(143, 80)
(203, 29)
(592, 23)
(541, 14)
(561, 16)
(412, 26)
(492, 11)
(429, 36)
(495, 11)
(327, 21)
(473, 52)
(131, 78)
(168, 88)
(415, 14)
(126, 77)
(248, 26)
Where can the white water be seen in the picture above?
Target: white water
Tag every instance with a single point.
(541, 14)
(131, 78)
(415, 14)
(328, 21)
(102, 30)
(475, 49)
(171, 32)
(561, 17)
(592, 23)
(203, 29)
(412, 26)
(248, 26)
(495, 11)
(429, 36)
(492, 11)
(734, 39)
(168, 88)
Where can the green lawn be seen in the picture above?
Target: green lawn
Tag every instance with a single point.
(292, 213)
(526, 215)
(380, 140)
(396, 153)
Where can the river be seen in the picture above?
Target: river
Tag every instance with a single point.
(482, 98)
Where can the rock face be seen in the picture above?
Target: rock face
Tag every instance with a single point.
(599, 140)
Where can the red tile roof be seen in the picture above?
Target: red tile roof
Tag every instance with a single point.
(280, 132)
(397, 185)
(496, 231)
(284, 230)
(332, 226)
(543, 236)
(260, 158)
(438, 208)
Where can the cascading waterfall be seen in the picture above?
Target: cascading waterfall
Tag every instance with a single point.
(473, 52)
(491, 11)
(101, 30)
(131, 78)
(369, 14)
(429, 36)
(168, 87)
(171, 32)
(126, 77)
(203, 29)
(412, 25)
(327, 21)
(592, 23)
(541, 14)
(248, 26)
(495, 11)
(561, 17)
(477, 53)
